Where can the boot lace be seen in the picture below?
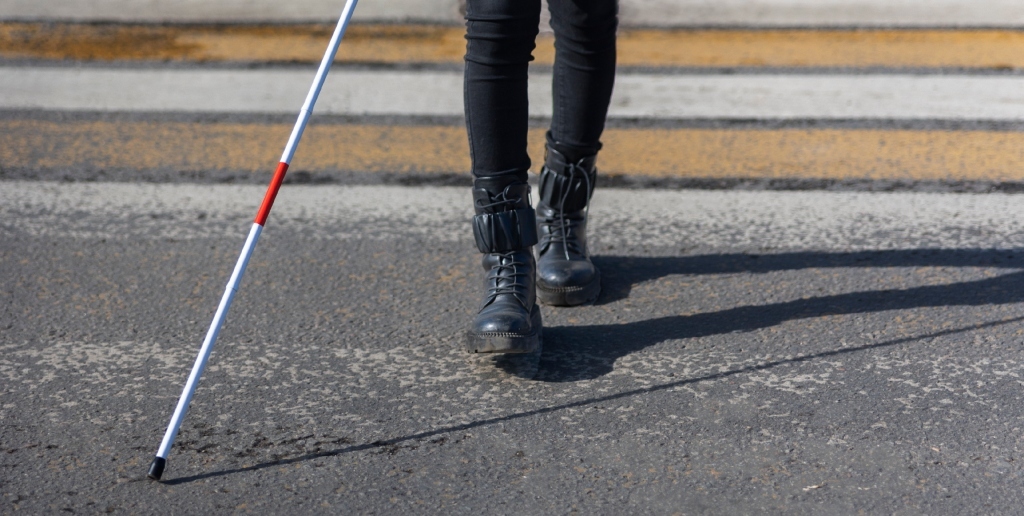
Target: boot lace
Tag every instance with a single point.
(504, 276)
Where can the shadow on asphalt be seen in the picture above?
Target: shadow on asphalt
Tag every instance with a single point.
(575, 353)
(620, 273)
(583, 352)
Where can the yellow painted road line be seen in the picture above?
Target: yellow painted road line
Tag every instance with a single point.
(837, 154)
(973, 49)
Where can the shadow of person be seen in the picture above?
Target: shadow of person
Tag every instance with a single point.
(575, 353)
(620, 273)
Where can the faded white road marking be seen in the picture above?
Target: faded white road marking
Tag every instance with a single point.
(668, 219)
(361, 92)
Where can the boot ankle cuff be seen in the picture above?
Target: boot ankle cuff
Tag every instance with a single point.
(571, 152)
(565, 186)
(495, 200)
(505, 231)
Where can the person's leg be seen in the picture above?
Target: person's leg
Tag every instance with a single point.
(582, 86)
(584, 74)
(500, 37)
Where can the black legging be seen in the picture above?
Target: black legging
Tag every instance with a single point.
(500, 37)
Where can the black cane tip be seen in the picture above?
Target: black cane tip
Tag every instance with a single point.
(156, 469)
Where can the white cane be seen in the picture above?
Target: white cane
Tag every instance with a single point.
(156, 469)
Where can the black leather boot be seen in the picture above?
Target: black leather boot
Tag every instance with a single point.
(505, 228)
(565, 274)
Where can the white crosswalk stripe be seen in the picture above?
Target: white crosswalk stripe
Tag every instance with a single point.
(652, 13)
(431, 93)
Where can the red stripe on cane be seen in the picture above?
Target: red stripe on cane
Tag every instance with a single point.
(268, 199)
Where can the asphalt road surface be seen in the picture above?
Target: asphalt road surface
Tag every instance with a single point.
(751, 352)
(819, 311)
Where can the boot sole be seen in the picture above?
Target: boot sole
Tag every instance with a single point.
(508, 342)
(569, 296)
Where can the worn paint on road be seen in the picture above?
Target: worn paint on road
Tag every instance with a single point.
(651, 219)
(746, 346)
(398, 44)
(840, 154)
